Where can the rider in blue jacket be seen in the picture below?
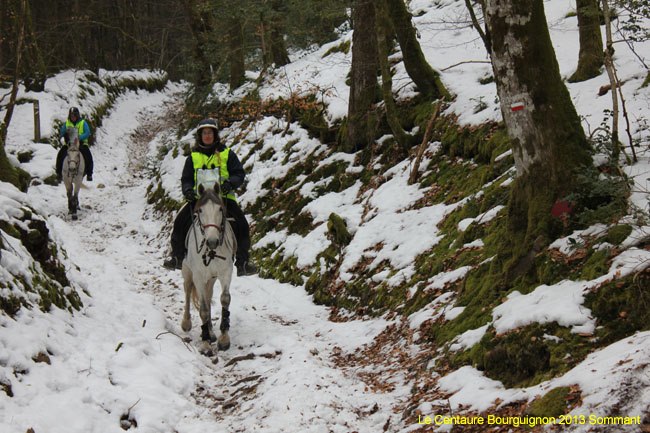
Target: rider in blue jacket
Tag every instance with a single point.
(210, 153)
(75, 121)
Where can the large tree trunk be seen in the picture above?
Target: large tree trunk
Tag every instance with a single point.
(549, 145)
(4, 37)
(590, 58)
(384, 43)
(425, 78)
(236, 52)
(363, 88)
(200, 22)
(279, 54)
(34, 75)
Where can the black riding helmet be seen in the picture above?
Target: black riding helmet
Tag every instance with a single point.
(207, 123)
(74, 111)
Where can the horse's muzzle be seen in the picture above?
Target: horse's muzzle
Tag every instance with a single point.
(212, 242)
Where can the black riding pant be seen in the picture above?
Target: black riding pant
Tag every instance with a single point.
(85, 151)
(240, 226)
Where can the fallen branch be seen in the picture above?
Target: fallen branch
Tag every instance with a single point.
(189, 347)
(462, 63)
(250, 356)
(413, 177)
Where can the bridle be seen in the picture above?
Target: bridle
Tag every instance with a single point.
(210, 253)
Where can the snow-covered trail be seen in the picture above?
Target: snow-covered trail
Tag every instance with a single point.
(125, 355)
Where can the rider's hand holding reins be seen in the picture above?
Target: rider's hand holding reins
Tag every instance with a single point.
(226, 187)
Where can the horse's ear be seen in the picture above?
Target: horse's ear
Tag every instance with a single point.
(201, 189)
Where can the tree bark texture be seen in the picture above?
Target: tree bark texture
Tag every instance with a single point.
(236, 52)
(549, 145)
(384, 44)
(9, 173)
(535, 103)
(4, 36)
(279, 54)
(201, 25)
(590, 59)
(425, 78)
(34, 74)
(611, 73)
(363, 88)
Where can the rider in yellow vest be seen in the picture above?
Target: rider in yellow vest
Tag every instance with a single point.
(75, 121)
(209, 153)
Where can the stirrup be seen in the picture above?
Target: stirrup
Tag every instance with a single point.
(173, 263)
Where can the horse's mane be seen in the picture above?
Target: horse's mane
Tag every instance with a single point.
(209, 195)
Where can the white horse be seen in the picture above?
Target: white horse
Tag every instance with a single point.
(211, 245)
(73, 171)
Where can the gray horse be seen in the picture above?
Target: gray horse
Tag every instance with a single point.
(73, 171)
(211, 245)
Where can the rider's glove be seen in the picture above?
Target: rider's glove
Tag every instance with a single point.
(189, 195)
(226, 187)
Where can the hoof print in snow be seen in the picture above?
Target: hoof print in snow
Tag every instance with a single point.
(5, 385)
(42, 357)
(207, 351)
(126, 422)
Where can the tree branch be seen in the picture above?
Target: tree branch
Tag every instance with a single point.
(477, 26)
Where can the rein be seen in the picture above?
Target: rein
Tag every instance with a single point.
(209, 254)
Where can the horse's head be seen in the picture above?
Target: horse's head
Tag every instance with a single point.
(210, 212)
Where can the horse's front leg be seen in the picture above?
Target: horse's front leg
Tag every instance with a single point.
(205, 311)
(71, 207)
(224, 338)
(75, 200)
(188, 284)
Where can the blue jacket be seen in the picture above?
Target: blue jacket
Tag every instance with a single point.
(84, 132)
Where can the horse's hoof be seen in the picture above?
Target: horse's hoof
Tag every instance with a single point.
(75, 217)
(223, 347)
(223, 344)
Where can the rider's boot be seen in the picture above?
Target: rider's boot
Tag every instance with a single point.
(245, 268)
(173, 262)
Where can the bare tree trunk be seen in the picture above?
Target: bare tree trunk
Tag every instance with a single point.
(384, 29)
(4, 36)
(549, 145)
(425, 78)
(34, 75)
(9, 173)
(363, 88)
(279, 53)
(236, 52)
(590, 58)
(609, 66)
(200, 21)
